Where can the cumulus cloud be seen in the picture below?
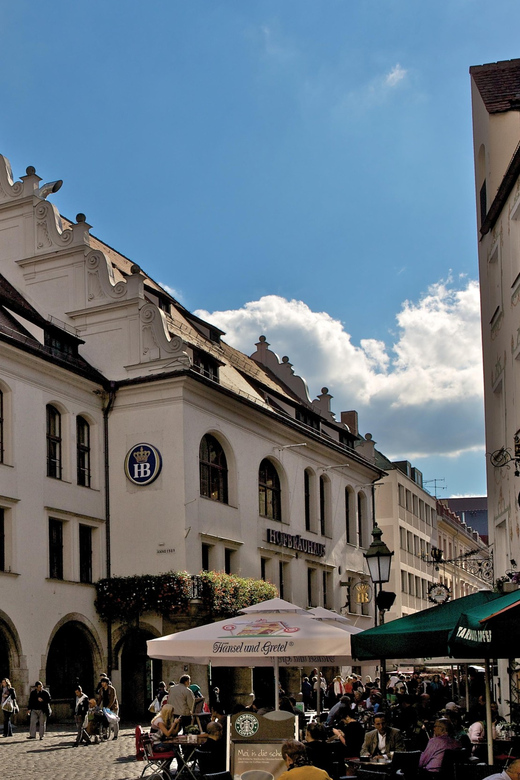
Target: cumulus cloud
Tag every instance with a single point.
(396, 75)
(419, 394)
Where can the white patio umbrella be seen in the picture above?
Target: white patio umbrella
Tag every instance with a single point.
(275, 633)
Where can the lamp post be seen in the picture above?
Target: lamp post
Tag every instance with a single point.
(379, 560)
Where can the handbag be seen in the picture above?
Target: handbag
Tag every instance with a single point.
(154, 706)
(7, 705)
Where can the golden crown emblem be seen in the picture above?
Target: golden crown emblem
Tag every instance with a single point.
(141, 456)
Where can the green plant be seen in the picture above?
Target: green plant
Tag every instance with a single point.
(126, 598)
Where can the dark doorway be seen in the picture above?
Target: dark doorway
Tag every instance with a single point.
(4, 655)
(139, 674)
(263, 685)
(69, 662)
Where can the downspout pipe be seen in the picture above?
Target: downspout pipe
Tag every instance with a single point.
(110, 398)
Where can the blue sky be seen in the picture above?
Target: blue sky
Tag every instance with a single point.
(294, 168)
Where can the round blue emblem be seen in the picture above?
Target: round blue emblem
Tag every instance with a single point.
(143, 464)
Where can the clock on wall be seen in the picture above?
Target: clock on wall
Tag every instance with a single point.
(438, 593)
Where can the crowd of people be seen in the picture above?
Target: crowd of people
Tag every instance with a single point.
(417, 714)
(95, 718)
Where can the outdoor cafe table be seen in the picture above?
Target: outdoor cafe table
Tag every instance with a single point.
(363, 767)
(186, 760)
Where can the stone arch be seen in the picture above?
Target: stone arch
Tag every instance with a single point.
(12, 663)
(74, 653)
(139, 674)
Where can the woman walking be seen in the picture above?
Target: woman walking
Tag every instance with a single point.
(9, 701)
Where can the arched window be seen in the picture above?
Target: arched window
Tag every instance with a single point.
(307, 496)
(1, 427)
(213, 470)
(83, 451)
(54, 463)
(269, 493)
(325, 519)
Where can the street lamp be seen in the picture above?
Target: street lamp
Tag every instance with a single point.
(379, 560)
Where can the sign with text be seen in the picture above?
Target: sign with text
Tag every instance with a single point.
(255, 744)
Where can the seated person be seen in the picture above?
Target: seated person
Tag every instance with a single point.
(382, 740)
(337, 712)
(442, 740)
(296, 760)
(511, 773)
(211, 755)
(351, 734)
(165, 726)
(319, 752)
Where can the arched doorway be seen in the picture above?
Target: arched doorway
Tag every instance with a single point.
(5, 671)
(140, 676)
(69, 661)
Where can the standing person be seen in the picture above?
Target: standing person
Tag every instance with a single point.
(80, 712)
(182, 699)
(39, 709)
(108, 698)
(8, 692)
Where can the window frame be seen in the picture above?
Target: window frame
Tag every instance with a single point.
(269, 491)
(55, 549)
(213, 473)
(54, 442)
(83, 452)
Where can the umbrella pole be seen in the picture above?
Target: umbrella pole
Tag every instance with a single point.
(276, 683)
(489, 727)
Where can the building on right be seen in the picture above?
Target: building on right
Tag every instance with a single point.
(495, 90)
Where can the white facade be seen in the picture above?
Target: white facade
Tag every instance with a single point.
(95, 359)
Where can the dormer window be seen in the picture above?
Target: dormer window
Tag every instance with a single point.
(205, 365)
(60, 346)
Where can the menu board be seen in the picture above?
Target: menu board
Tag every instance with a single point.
(255, 744)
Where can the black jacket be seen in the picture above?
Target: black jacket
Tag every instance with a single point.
(40, 700)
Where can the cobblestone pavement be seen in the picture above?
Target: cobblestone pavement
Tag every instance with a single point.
(56, 758)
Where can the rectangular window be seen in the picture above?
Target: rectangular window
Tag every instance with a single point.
(408, 501)
(281, 579)
(85, 553)
(205, 557)
(55, 549)
(418, 587)
(410, 584)
(424, 589)
(324, 584)
(416, 546)
(228, 560)
(409, 541)
(404, 582)
(311, 587)
(416, 506)
(2, 540)
(402, 537)
(401, 495)
(421, 509)
(263, 569)
(423, 548)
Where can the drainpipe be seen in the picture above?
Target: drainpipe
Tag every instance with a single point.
(107, 408)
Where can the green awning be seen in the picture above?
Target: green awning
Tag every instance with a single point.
(424, 633)
(489, 630)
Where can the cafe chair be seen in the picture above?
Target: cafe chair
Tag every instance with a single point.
(405, 764)
(223, 776)
(450, 760)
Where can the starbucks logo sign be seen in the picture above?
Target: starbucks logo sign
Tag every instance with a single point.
(247, 724)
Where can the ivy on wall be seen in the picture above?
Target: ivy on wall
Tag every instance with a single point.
(126, 598)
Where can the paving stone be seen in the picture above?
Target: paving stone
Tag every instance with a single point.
(56, 758)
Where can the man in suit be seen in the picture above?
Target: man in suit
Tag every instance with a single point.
(382, 740)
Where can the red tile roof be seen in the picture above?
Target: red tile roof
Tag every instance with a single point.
(499, 85)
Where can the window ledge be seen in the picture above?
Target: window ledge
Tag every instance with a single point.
(70, 582)
(9, 573)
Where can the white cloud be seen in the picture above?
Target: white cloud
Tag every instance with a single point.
(171, 291)
(396, 75)
(420, 395)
